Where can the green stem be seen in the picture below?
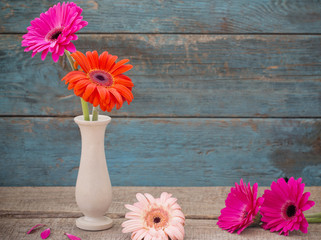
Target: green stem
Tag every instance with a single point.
(314, 220)
(95, 114)
(313, 215)
(84, 104)
(85, 111)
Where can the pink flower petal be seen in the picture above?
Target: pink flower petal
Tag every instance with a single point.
(34, 227)
(45, 234)
(72, 237)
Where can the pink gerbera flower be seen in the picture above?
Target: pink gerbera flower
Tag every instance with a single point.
(155, 219)
(241, 208)
(283, 206)
(54, 31)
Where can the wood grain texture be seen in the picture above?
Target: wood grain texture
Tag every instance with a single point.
(194, 230)
(46, 202)
(164, 152)
(187, 16)
(55, 207)
(178, 75)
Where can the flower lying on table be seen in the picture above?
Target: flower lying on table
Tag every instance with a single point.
(281, 207)
(155, 218)
(242, 206)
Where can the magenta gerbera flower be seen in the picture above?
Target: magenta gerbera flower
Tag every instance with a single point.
(155, 218)
(54, 31)
(241, 208)
(283, 206)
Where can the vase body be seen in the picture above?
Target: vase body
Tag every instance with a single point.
(93, 187)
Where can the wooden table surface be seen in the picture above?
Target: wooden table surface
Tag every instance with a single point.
(23, 207)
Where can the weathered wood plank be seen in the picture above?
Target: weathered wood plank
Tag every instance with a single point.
(196, 202)
(194, 230)
(188, 16)
(164, 152)
(179, 75)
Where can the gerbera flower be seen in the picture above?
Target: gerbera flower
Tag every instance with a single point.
(54, 30)
(101, 81)
(283, 206)
(241, 208)
(155, 219)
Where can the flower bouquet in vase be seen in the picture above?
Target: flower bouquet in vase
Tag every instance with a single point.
(98, 80)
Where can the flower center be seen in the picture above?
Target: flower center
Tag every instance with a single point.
(157, 218)
(101, 77)
(290, 212)
(54, 34)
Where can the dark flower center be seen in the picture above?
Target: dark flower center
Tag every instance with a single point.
(290, 212)
(101, 77)
(157, 220)
(55, 35)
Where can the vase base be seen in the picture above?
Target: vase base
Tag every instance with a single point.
(94, 224)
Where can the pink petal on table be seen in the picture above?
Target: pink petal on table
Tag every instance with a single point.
(45, 234)
(72, 237)
(34, 227)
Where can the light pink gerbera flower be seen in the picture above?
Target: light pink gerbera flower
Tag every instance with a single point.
(155, 219)
(283, 206)
(241, 208)
(54, 31)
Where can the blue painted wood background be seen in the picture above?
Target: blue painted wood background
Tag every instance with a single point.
(223, 90)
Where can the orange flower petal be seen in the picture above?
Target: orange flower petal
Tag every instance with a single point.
(117, 65)
(102, 59)
(124, 82)
(124, 77)
(125, 92)
(96, 101)
(122, 69)
(91, 97)
(70, 86)
(76, 65)
(116, 94)
(112, 103)
(92, 58)
(80, 87)
(110, 62)
(104, 94)
(81, 59)
(89, 90)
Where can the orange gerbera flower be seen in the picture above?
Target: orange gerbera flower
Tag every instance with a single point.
(101, 81)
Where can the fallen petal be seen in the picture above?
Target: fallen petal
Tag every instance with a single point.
(34, 227)
(45, 234)
(72, 237)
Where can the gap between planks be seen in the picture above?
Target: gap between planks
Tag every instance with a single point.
(44, 214)
(165, 116)
(194, 230)
(181, 33)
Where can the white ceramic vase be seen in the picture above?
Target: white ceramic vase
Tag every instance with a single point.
(93, 187)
